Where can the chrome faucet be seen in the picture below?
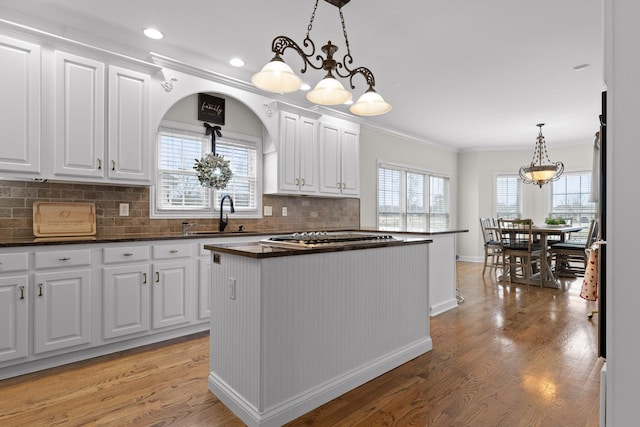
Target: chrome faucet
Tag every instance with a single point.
(186, 226)
(223, 223)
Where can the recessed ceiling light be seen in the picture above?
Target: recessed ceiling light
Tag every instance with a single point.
(236, 62)
(580, 67)
(305, 86)
(152, 33)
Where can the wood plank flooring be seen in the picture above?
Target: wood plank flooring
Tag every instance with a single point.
(508, 356)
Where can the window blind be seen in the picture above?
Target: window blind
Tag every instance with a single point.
(508, 197)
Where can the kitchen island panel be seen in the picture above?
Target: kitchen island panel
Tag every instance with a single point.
(303, 330)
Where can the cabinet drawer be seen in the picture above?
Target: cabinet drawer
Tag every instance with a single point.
(177, 250)
(14, 262)
(63, 258)
(125, 254)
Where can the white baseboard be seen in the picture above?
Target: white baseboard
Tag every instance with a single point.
(305, 402)
(434, 310)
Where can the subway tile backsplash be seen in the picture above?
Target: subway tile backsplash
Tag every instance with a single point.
(304, 213)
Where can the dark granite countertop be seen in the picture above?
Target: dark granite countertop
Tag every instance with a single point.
(36, 241)
(257, 250)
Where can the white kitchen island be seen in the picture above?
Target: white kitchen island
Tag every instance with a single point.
(293, 329)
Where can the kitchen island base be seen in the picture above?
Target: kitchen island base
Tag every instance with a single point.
(290, 333)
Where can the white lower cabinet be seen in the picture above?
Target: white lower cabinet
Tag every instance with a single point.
(125, 300)
(62, 310)
(62, 303)
(204, 288)
(140, 297)
(171, 296)
(14, 318)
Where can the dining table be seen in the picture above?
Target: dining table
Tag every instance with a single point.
(543, 232)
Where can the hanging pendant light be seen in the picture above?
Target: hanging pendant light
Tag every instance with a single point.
(539, 173)
(278, 77)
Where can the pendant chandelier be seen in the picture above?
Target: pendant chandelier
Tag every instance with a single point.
(278, 77)
(538, 173)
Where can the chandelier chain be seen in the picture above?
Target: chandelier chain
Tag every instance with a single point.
(313, 16)
(344, 31)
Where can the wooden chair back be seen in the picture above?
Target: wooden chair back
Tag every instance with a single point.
(516, 234)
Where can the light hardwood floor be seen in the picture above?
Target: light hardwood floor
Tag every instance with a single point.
(508, 356)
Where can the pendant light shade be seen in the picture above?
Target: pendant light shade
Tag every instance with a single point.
(370, 104)
(277, 77)
(329, 91)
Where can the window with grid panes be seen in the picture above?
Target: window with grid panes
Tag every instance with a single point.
(178, 191)
(410, 200)
(570, 200)
(508, 196)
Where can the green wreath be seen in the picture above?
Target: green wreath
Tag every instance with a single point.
(213, 171)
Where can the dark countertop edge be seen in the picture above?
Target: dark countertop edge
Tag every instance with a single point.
(252, 249)
(37, 241)
(417, 233)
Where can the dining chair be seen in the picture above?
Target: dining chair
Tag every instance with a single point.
(492, 246)
(519, 251)
(570, 258)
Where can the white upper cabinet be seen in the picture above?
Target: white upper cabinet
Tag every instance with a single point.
(72, 112)
(313, 156)
(298, 154)
(339, 159)
(20, 121)
(128, 125)
(80, 117)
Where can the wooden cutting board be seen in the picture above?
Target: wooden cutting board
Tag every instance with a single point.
(53, 219)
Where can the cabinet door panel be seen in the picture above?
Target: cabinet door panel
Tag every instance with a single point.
(288, 151)
(128, 125)
(13, 317)
(62, 310)
(204, 288)
(330, 159)
(171, 284)
(308, 155)
(20, 106)
(126, 300)
(350, 170)
(79, 116)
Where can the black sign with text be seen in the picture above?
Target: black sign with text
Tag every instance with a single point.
(210, 109)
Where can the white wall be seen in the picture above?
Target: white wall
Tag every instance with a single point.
(238, 118)
(478, 170)
(380, 146)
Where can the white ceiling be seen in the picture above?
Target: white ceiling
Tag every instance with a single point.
(468, 74)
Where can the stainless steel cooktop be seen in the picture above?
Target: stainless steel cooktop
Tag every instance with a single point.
(315, 239)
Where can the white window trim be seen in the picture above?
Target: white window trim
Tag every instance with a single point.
(213, 211)
(407, 168)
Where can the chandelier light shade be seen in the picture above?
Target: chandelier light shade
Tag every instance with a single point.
(537, 172)
(278, 77)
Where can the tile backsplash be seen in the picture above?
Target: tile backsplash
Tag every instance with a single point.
(303, 213)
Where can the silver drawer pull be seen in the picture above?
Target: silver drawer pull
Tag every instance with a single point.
(21, 292)
(64, 258)
(127, 254)
(144, 276)
(173, 251)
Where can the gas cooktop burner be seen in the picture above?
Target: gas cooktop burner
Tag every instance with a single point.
(315, 239)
